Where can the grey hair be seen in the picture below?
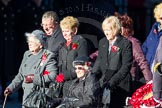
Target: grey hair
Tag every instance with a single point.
(51, 14)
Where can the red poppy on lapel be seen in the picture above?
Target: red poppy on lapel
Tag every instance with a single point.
(155, 31)
(44, 57)
(46, 72)
(74, 46)
(115, 48)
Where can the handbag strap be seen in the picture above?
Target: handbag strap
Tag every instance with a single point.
(38, 87)
(43, 83)
(41, 74)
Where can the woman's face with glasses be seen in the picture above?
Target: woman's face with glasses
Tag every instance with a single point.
(80, 71)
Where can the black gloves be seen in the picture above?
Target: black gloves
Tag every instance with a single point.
(110, 86)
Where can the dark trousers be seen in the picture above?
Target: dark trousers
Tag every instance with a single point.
(136, 85)
(118, 98)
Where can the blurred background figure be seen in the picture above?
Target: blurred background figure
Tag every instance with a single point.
(150, 45)
(157, 61)
(140, 63)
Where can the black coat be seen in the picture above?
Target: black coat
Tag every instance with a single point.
(114, 69)
(87, 92)
(55, 41)
(67, 55)
(114, 66)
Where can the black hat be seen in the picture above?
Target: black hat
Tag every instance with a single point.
(81, 60)
(39, 34)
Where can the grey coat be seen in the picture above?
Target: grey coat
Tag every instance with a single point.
(157, 79)
(32, 64)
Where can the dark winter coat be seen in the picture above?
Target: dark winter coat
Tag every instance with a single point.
(86, 92)
(114, 69)
(55, 41)
(67, 55)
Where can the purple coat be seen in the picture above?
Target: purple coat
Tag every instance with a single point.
(139, 61)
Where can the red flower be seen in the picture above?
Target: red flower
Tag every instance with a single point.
(60, 78)
(155, 31)
(115, 48)
(46, 72)
(44, 57)
(74, 46)
(142, 96)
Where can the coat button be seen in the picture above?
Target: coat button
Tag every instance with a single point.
(24, 88)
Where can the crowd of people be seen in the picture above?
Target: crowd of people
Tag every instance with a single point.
(103, 79)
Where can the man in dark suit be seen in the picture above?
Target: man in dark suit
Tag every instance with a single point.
(114, 62)
(50, 24)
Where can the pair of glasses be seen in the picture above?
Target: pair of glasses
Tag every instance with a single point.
(49, 26)
(79, 68)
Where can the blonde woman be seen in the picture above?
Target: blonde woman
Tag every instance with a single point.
(150, 45)
(75, 46)
(157, 60)
(152, 50)
(114, 62)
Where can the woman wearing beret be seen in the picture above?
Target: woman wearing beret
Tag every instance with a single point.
(84, 91)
